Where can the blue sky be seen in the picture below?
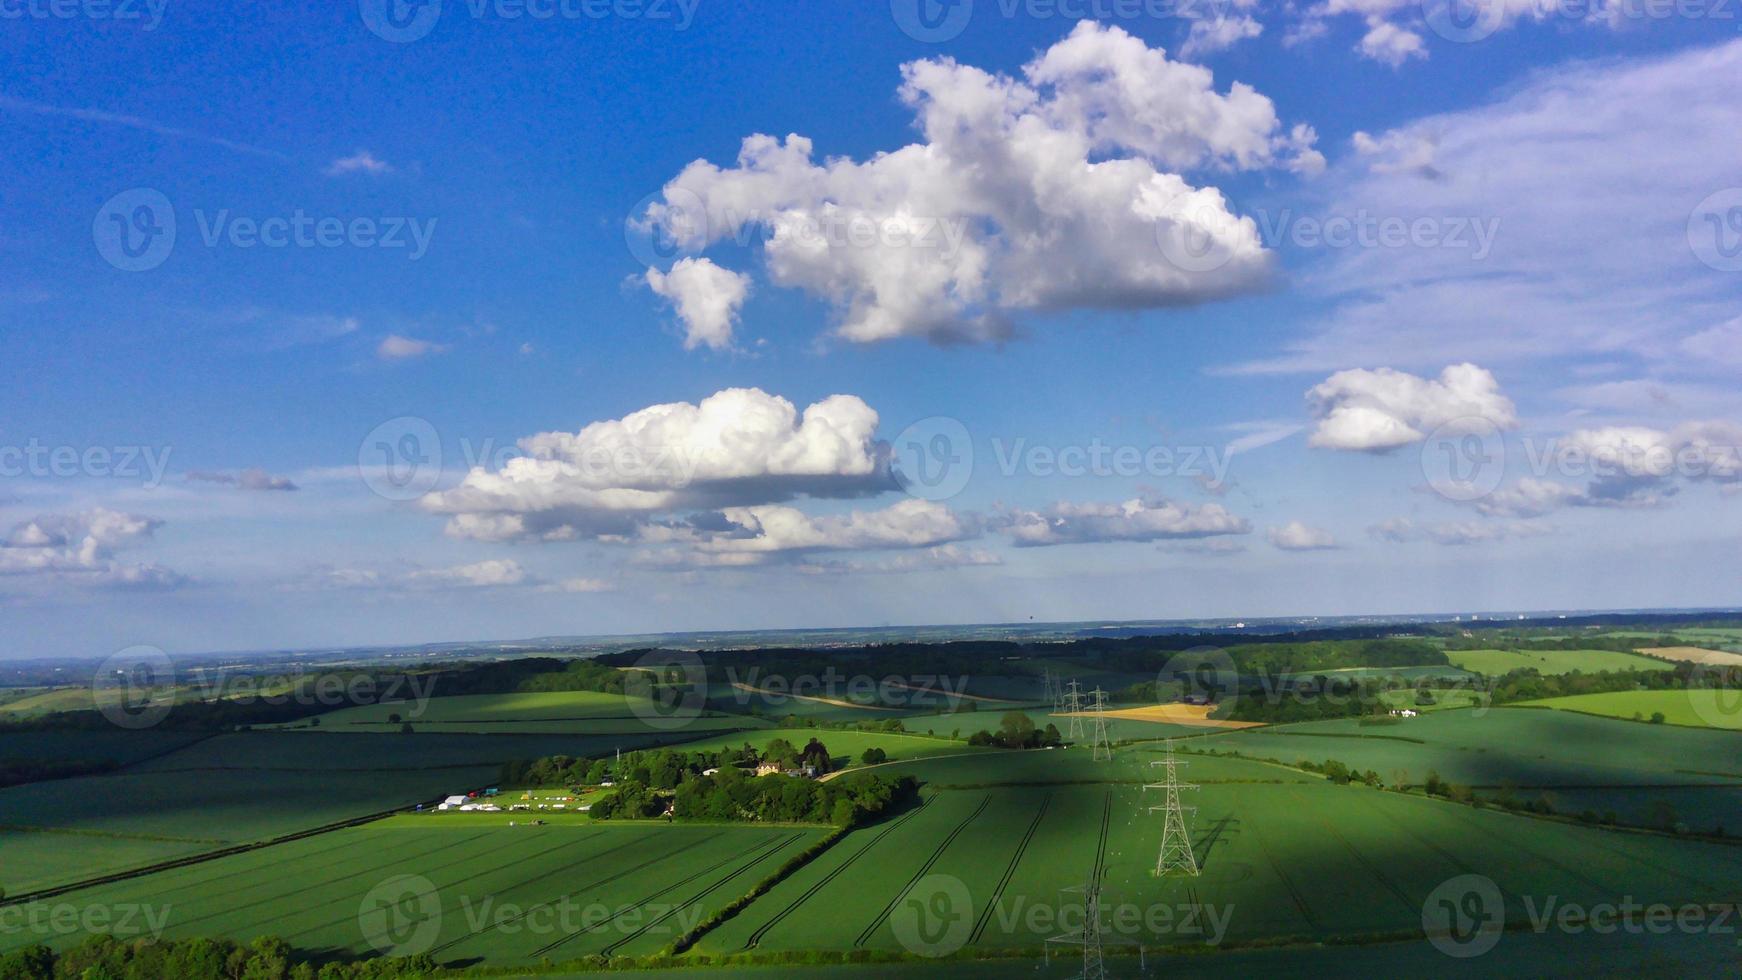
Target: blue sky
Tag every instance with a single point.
(1562, 288)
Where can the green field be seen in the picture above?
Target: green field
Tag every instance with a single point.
(1699, 707)
(1283, 855)
(504, 894)
(1496, 662)
(545, 712)
(1613, 764)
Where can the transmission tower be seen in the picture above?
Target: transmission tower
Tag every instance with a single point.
(1176, 842)
(1101, 745)
(1073, 698)
(1089, 937)
(1054, 690)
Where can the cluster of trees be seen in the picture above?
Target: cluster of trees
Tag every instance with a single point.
(1016, 731)
(267, 958)
(15, 772)
(1528, 684)
(732, 794)
(1340, 773)
(659, 769)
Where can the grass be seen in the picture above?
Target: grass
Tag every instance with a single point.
(1496, 662)
(1698, 707)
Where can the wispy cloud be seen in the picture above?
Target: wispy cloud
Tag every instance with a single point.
(10, 104)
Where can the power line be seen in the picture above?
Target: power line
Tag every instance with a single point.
(1101, 746)
(1074, 709)
(1176, 842)
(1089, 936)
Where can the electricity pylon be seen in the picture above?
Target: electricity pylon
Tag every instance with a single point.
(1074, 709)
(1176, 842)
(1101, 745)
(1054, 690)
(1089, 937)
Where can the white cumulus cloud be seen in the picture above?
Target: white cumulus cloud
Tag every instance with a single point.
(1377, 411)
(1059, 190)
(706, 297)
(738, 447)
(1138, 519)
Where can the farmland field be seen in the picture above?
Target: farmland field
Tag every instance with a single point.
(1624, 765)
(508, 894)
(1696, 655)
(1698, 707)
(554, 712)
(1283, 855)
(1496, 662)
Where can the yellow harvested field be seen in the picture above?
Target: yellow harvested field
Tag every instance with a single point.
(1170, 714)
(1695, 655)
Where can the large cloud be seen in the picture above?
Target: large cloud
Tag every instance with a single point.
(1376, 411)
(79, 548)
(738, 447)
(1133, 520)
(1059, 190)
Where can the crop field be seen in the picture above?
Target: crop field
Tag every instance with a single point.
(1613, 765)
(1496, 662)
(1191, 716)
(1696, 655)
(96, 745)
(1118, 729)
(545, 712)
(504, 894)
(1698, 707)
(67, 830)
(1283, 856)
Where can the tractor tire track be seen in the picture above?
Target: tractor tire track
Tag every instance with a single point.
(938, 852)
(443, 947)
(756, 854)
(762, 930)
(1009, 872)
